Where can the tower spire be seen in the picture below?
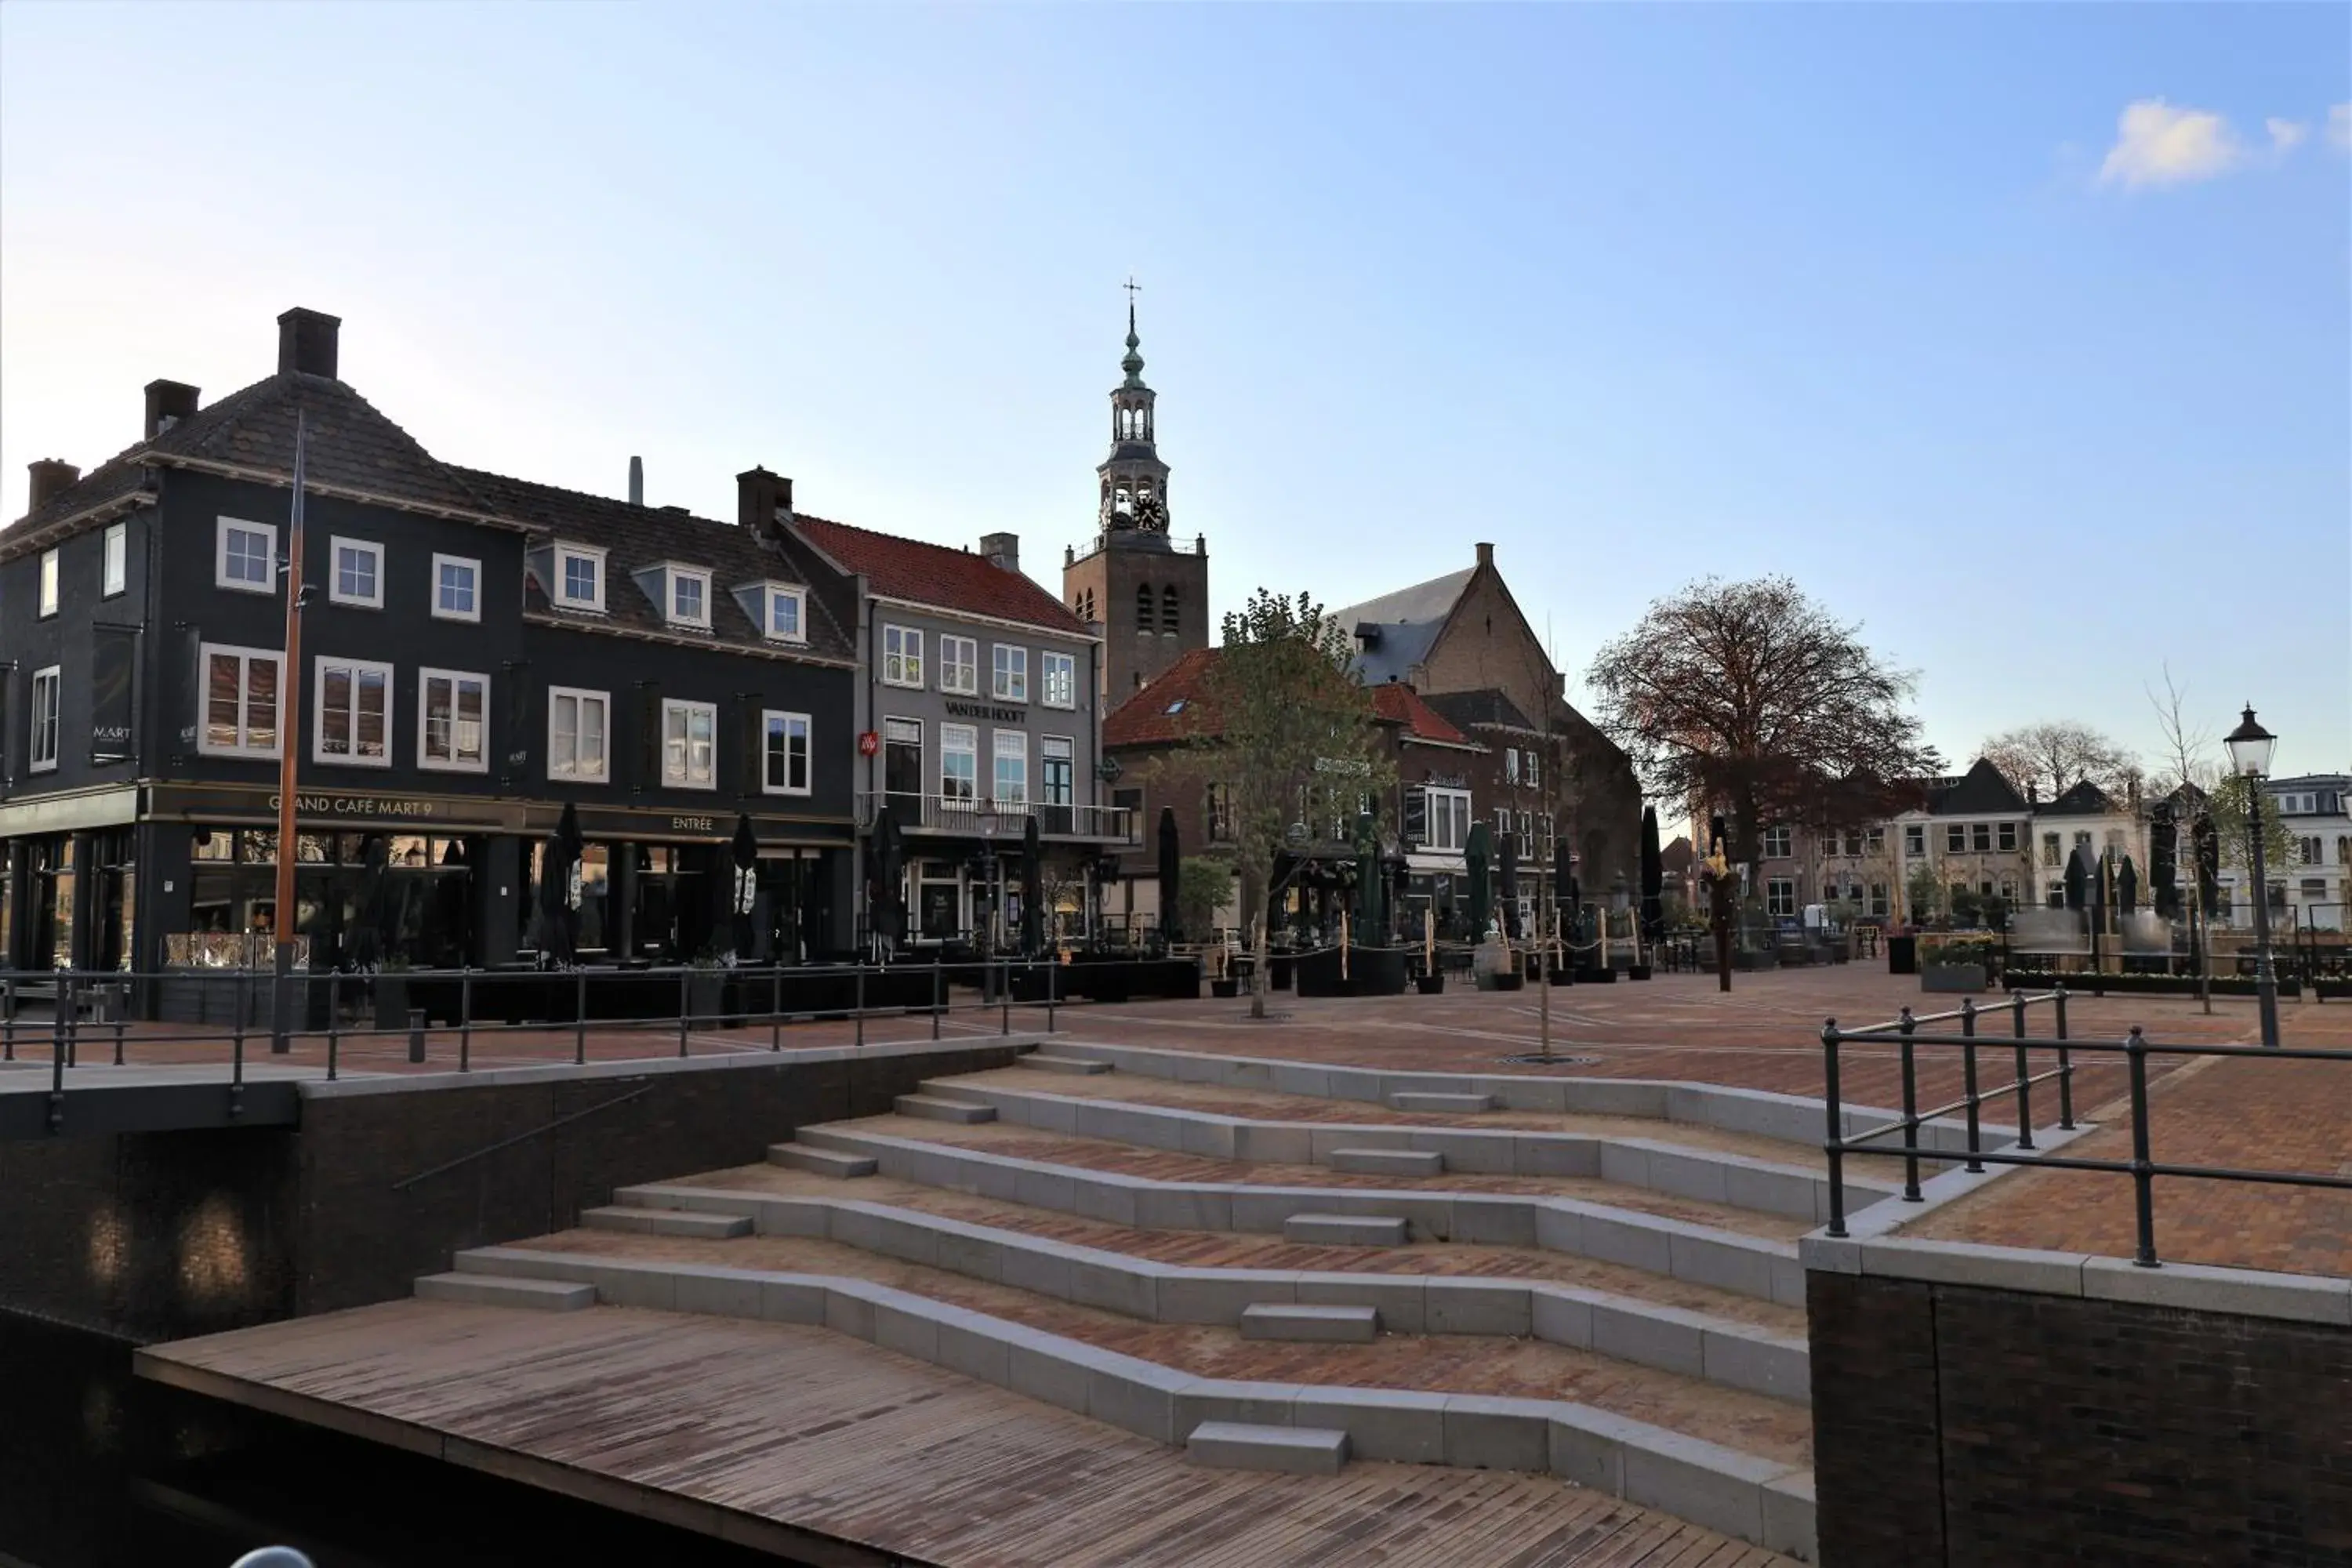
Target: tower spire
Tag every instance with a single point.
(1133, 363)
(1134, 479)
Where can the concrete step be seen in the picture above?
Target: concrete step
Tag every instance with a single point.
(1422, 1101)
(667, 1222)
(499, 1290)
(1313, 1325)
(1293, 1450)
(822, 1162)
(1083, 1066)
(1389, 1161)
(931, 1108)
(1345, 1229)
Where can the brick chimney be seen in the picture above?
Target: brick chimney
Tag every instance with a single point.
(763, 502)
(50, 478)
(1486, 555)
(168, 403)
(306, 342)
(1002, 550)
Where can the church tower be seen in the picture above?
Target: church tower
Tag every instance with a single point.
(1149, 599)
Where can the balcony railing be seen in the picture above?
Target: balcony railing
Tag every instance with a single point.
(1000, 820)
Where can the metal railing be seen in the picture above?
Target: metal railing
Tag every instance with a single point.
(68, 1010)
(2136, 1048)
(1001, 820)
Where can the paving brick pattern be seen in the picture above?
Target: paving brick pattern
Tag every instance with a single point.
(1231, 1249)
(1158, 1165)
(1522, 1368)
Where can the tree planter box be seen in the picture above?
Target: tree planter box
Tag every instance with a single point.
(1954, 979)
(1637, 971)
(391, 997)
(1507, 980)
(1224, 990)
(1594, 976)
(706, 995)
(1756, 958)
(1370, 974)
(1430, 985)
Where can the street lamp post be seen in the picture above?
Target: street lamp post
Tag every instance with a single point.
(2250, 758)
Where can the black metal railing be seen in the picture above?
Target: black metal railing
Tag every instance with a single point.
(2143, 1168)
(69, 1012)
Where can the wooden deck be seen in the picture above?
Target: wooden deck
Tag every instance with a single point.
(805, 1443)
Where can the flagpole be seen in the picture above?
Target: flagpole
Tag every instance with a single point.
(289, 730)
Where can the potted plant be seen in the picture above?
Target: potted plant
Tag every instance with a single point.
(706, 987)
(1954, 965)
(390, 993)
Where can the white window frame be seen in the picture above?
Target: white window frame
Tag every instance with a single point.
(672, 579)
(1780, 897)
(1057, 672)
(453, 763)
(1451, 808)
(960, 740)
(560, 591)
(571, 770)
(902, 665)
(778, 593)
(206, 653)
(335, 595)
(682, 777)
(1915, 839)
(442, 612)
(959, 664)
(50, 568)
(319, 752)
(1511, 766)
(53, 678)
(999, 753)
(769, 719)
(221, 579)
(1008, 672)
(1776, 844)
(115, 573)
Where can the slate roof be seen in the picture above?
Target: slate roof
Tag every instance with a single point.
(352, 450)
(2085, 799)
(937, 575)
(1487, 706)
(1979, 792)
(1179, 705)
(637, 537)
(1408, 621)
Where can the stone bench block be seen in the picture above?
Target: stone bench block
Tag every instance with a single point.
(1389, 1161)
(822, 1162)
(931, 1108)
(1345, 1229)
(667, 1222)
(1292, 1451)
(499, 1290)
(1084, 1067)
(1411, 1100)
(1310, 1324)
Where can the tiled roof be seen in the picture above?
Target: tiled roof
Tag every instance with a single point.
(351, 448)
(1398, 704)
(935, 574)
(1171, 709)
(1408, 622)
(2085, 799)
(1980, 791)
(1487, 705)
(637, 537)
(1178, 706)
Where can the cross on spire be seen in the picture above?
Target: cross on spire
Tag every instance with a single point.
(1133, 289)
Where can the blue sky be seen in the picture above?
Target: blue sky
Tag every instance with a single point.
(1906, 301)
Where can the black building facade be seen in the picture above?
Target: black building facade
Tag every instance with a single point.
(477, 653)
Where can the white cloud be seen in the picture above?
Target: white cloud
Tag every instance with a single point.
(2285, 134)
(2339, 127)
(2157, 144)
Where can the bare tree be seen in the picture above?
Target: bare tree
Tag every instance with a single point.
(2053, 756)
(2188, 746)
(1751, 695)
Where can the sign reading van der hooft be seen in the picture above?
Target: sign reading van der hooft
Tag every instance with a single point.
(114, 656)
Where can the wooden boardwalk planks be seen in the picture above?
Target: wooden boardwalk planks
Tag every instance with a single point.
(799, 1440)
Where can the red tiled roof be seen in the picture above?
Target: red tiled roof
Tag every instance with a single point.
(1145, 719)
(1176, 707)
(924, 573)
(1401, 704)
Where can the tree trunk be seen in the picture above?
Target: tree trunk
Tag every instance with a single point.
(1261, 973)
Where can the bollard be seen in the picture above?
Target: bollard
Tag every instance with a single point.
(1833, 1104)
(2024, 1077)
(2065, 1070)
(681, 1011)
(334, 1024)
(465, 1018)
(1910, 1114)
(2143, 1168)
(861, 1006)
(776, 1009)
(580, 1017)
(416, 1033)
(935, 995)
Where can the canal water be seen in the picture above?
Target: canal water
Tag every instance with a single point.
(102, 1470)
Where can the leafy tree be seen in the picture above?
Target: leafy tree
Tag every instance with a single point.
(2053, 756)
(1923, 894)
(1750, 695)
(1286, 715)
(2227, 801)
(1204, 886)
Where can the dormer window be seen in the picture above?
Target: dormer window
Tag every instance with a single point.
(579, 577)
(787, 618)
(689, 598)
